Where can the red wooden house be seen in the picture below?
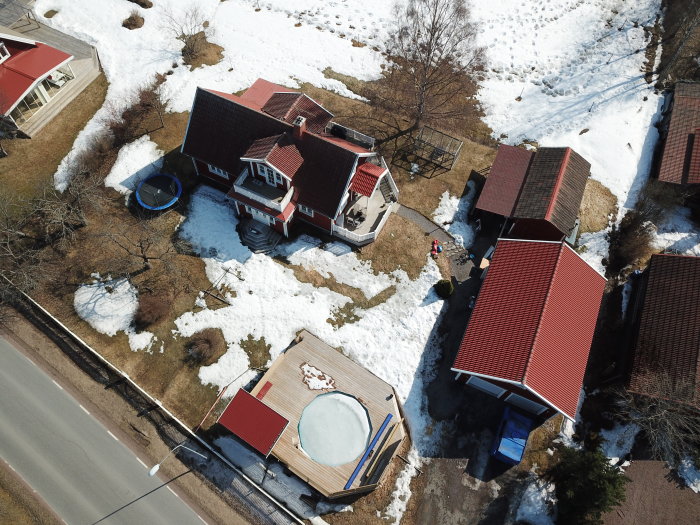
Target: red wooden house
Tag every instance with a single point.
(538, 193)
(530, 332)
(279, 156)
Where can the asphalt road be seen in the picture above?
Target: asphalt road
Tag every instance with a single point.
(71, 459)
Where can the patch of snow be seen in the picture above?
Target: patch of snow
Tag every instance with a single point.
(618, 441)
(452, 214)
(336, 259)
(626, 293)
(537, 503)
(595, 248)
(315, 379)
(677, 233)
(561, 68)
(109, 306)
(200, 301)
(135, 161)
(402, 492)
(690, 474)
(325, 507)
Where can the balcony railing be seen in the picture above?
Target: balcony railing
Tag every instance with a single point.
(364, 238)
(259, 191)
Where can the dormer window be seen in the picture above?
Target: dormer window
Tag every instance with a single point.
(4, 53)
(271, 176)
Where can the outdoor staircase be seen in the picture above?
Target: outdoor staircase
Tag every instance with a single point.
(385, 188)
(257, 236)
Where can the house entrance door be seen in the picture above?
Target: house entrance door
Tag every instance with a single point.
(260, 216)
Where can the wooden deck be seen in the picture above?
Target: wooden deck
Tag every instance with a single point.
(289, 395)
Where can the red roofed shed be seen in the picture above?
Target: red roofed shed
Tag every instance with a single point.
(506, 178)
(253, 421)
(532, 326)
(680, 162)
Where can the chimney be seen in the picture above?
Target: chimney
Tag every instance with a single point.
(299, 126)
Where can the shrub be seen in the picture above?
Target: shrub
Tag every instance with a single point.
(444, 288)
(134, 21)
(204, 347)
(142, 3)
(152, 308)
(586, 486)
(132, 122)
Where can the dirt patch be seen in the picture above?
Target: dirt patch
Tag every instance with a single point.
(680, 43)
(208, 53)
(651, 493)
(19, 505)
(257, 350)
(134, 21)
(146, 4)
(31, 163)
(50, 13)
(402, 245)
(598, 206)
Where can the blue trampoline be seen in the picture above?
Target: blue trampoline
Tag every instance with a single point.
(159, 191)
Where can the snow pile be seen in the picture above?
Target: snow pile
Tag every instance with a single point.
(402, 492)
(618, 441)
(334, 429)
(135, 161)
(690, 474)
(536, 504)
(315, 379)
(109, 306)
(568, 73)
(130, 59)
(678, 233)
(452, 213)
(336, 259)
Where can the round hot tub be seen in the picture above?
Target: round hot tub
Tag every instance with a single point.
(334, 429)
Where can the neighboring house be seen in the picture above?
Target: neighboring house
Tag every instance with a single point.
(538, 193)
(680, 161)
(530, 333)
(279, 156)
(35, 76)
(667, 342)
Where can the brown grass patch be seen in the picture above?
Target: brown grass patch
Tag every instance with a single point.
(540, 440)
(401, 245)
(258, 351)
(173, 131)
(597, 207)
(134, 21)
(50, 13)
(208, 54)
(31, 163)
(357, 43)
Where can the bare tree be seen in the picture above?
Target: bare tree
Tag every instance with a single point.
(667, 416)
(432, 54)
(190, 28)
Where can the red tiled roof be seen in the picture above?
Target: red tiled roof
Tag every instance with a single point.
(260, 92)
(668, 340)
(534, 320)
(26, 65)
(685, 118)
(253, 421)
(366, 177)
(285, 156)
(506, 178)
(288, 106)
(261, 148)
(694, 166)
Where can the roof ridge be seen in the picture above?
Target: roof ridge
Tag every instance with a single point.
(557, 185)
(258, 111)
(544, 306)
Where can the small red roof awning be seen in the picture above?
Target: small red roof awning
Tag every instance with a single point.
(253, 421)
(365, 179)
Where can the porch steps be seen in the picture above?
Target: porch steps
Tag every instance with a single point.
(385, 188)
(258, 237)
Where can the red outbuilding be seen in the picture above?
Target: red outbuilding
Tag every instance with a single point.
(530, 332)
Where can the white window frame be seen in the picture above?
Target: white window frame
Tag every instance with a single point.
(271, 176)
(525, 403)
(305, 210)
(486, 386)
(219, 172)
(4, 53)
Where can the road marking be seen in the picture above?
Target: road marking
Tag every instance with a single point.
(13, 468)
(142, 463)
(202, 519)
(115, 437)
(84, 409)
(171, 490)
(59, 386)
